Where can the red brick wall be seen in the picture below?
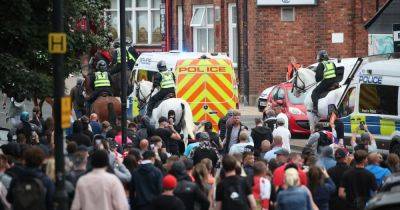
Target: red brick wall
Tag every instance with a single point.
(272, 42)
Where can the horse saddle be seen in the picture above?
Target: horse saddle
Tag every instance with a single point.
(105, 94)
(168, 96)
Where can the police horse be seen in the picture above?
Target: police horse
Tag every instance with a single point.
(183, 113)
(304, 83)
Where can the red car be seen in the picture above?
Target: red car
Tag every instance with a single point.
(293, 107)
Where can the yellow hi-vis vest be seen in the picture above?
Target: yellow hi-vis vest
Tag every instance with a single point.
(329, 70)
(129, 56)
(167, 79)
(101, 80)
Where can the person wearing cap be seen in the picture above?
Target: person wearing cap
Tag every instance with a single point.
(204, 150)
(380, 173)
(189, 192)
(336, 174)
(282, 156)
(279, 114)
(77, 99)
(367, 141)
(167, 200)
(169, 135)
(243, 142)
(277, 145)
(90, 190)
(282, 131)
(326, 160)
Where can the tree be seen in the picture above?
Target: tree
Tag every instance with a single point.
(25, 63)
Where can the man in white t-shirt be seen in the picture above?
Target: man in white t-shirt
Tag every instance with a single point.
(283, 132)
(243, 142)
(280, 114)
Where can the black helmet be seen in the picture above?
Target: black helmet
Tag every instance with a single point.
(322, 55)
(101, 65)
(161, 66)
(116, 43)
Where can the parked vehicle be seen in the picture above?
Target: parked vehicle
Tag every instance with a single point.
(263, 98)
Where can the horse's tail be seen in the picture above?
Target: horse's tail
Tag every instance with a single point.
(112, 116)
(187, 120)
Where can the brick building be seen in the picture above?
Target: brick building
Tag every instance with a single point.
(259, 35)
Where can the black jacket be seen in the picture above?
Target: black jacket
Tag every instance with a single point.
(146, 185)
(260, 133)
(190, 194)
(222, 126)
(228, 137)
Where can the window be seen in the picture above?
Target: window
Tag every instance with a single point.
(372, 100)
(287, 14)
(203, 28)
(142, 20)
(348, 103)
(233, 39)
(294, 99)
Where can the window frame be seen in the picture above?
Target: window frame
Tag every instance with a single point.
(133, 9)
(231, 26)
(380, 102)
(206, 25)
(294, 14)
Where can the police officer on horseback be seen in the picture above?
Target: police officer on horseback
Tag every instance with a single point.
(326, 73)
(101, 81)
(131, 55)
(166, 81)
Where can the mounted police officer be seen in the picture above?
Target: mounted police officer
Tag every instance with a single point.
(131, 56)
(326, 73)
(101, 81)
(166, 81)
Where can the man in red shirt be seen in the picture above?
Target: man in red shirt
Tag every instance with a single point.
(279, 173)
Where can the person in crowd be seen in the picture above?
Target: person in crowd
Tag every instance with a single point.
(222, 124)
(30, 188)
(282, 131)
(326, 160)
(210, 168)
(187, 191)
(321, 186)
(242, 143)
(248, 165)
(233, 191)
(279, 114)
(116, 161)
(265, 147)
(146, 183)
(358, 184)
(336, 174)
(200, 175)
(214, 137)
(260, 133)
(167, 200)
(292, 68)
(199, 137)
(169, 135)
(188, 167)
(277, 145)
(204, 150)
(77, 99)
(5, 179)
(143, 145)
(105, 127)
(94, 124)
(79, 168)
(77, 135)
(90, 193)
(319, 139)
(380, 173)
(393, 162)
(279, 173)
(282, 156)
(367, 141)
(28, 129)
(294, 196)
(86, 128)
(37, 119)
(263, 189)
(233, 131)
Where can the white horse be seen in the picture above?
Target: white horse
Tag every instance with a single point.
(304, 83)
(183, 113)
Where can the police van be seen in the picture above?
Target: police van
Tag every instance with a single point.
(206, 81)
(372, 99)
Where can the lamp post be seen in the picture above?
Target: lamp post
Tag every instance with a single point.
(123, 68)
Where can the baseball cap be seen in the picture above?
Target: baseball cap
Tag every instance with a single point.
(169, 182)
(282, 152)
(341, 153)
(204, 136)
(280, 120)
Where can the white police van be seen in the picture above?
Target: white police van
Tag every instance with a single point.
(372, 98)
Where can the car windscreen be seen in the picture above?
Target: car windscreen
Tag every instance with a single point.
(296, 99)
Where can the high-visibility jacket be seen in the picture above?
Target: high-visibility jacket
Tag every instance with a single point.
(329, 70)
(167, 80)
(101, 80)
(129, 56)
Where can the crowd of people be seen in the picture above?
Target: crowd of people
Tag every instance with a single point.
(236, 168)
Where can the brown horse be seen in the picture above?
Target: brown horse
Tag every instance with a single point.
(107, 108)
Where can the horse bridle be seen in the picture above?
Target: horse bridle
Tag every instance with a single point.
(304, 88)
(142, 102)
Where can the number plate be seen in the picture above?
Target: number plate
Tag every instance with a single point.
(263, 103)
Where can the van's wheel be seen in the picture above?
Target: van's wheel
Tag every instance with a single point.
(395, 149)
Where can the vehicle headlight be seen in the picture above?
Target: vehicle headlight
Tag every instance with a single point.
(295, 111)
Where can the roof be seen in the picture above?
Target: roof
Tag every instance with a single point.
(378, 14)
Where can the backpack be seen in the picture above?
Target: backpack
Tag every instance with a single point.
(234, 196)
(324, 140)
(29, 193)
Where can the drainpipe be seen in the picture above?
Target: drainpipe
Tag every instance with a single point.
(245, 54)
(242, 49)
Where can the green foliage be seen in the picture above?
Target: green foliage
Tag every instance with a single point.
(25, 63)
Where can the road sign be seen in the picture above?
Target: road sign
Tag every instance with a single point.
(57, 43)
(66, 112)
